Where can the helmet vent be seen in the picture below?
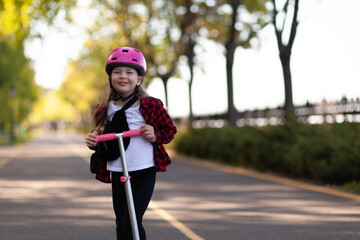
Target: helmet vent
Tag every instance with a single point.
(135, 60)
(113, 58)
(125, 50)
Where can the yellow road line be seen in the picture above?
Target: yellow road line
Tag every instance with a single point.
(254, 174)
(175, 223)
(84, 153)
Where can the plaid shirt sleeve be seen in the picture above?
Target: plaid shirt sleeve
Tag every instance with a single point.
(155, 115)
(103, 174)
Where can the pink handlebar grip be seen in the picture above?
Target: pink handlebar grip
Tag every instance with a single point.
(106, 137)
(132, 133)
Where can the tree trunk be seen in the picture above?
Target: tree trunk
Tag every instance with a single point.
(189, 36)
(165, 80)
(230, 52)
(285, 62)
(285, 52)
(190, 56)
(191, 115)
(232, 113)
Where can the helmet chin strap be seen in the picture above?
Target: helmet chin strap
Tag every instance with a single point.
(119, 97)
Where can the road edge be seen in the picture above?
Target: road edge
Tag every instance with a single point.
(263, 176)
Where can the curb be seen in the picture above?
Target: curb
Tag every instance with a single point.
(254, 174)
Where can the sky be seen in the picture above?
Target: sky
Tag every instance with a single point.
(324, 62)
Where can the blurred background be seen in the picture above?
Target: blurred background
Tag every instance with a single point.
(266, 85)
(212, 62)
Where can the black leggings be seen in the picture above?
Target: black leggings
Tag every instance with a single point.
(142, 184)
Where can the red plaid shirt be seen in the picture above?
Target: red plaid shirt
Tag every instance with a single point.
(154, 113)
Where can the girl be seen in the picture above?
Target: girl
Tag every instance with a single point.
(145, 154)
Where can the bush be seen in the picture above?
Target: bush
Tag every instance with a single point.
(324, 153)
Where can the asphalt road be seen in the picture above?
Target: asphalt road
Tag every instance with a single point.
(48, 193)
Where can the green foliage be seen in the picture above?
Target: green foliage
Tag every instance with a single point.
(16, 16)
(354, 186)
(252, 16)
(145, 26)
(18, 90)
(162, 30)
(323, 153)
(17, 86)
(86, 81)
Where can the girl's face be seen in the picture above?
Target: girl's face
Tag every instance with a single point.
(124, 80)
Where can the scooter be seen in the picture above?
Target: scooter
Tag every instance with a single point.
(126, 178)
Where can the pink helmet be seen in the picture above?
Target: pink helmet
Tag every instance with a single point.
(126, 56)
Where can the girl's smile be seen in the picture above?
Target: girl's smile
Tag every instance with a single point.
(122, 83)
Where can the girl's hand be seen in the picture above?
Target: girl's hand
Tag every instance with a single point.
(148, 133)
(90, 139)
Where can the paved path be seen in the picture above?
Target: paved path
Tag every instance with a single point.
(47, 192)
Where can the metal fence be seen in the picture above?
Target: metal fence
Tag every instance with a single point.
(338, 111)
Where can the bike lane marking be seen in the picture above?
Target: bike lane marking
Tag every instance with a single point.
(174, 222)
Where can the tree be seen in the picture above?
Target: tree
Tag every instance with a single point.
(228, 26)
(285, 47)
(16, 17)
(17, 86)
(190, 22)
(145, 25)
(86, 82)
(18, 90)
(166, 30)
(163, 46)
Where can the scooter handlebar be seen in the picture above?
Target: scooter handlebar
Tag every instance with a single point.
(132, 133)
(112, 136)
(106, 137)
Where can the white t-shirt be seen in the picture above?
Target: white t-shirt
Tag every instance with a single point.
(139, 154)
